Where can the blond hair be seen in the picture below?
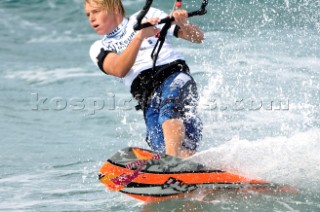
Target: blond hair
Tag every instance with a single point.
(109, 5)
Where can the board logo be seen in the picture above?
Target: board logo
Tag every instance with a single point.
(125, 179)
(178, 185)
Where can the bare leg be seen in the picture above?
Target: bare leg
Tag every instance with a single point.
(174, 134)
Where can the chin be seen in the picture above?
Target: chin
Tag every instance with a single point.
(99, 32)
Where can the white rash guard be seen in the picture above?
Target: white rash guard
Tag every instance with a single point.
(119, 39)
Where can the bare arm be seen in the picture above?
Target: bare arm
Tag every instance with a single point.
(120, 64)
(187, 30)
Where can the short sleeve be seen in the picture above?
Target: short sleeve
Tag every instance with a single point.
(95, 50)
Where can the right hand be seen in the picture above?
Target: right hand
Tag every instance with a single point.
(149, 31)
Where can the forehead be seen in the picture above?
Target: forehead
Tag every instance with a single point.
(91, 5)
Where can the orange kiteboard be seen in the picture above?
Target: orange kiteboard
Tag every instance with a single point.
(150, 176)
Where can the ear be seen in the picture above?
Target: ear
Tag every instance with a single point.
(116, 10)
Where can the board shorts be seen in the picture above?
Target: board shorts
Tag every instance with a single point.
(175, 98)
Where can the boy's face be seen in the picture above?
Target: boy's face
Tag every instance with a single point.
(102, 21)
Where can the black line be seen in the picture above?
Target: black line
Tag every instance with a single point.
(241, 186)
(174, 194)
(144, 185)
(152, 195)
(176, 172)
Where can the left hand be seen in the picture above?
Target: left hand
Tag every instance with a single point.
(149, 31)
(180, 17)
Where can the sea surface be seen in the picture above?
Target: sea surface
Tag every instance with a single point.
(258, 75)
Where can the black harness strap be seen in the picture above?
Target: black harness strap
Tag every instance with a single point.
(157, 48)
(148, 80)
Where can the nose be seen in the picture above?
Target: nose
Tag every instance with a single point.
(92, 18)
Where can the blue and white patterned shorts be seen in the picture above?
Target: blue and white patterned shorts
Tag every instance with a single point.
(177, 97)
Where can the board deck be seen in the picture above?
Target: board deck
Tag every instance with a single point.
(148, 176)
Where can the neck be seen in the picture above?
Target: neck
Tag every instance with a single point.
(117, 28)
(117, 20)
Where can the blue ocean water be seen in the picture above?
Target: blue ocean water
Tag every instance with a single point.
(61, 118)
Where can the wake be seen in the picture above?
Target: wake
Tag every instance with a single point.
(293, 161)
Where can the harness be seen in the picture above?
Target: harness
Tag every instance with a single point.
(148, 80)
